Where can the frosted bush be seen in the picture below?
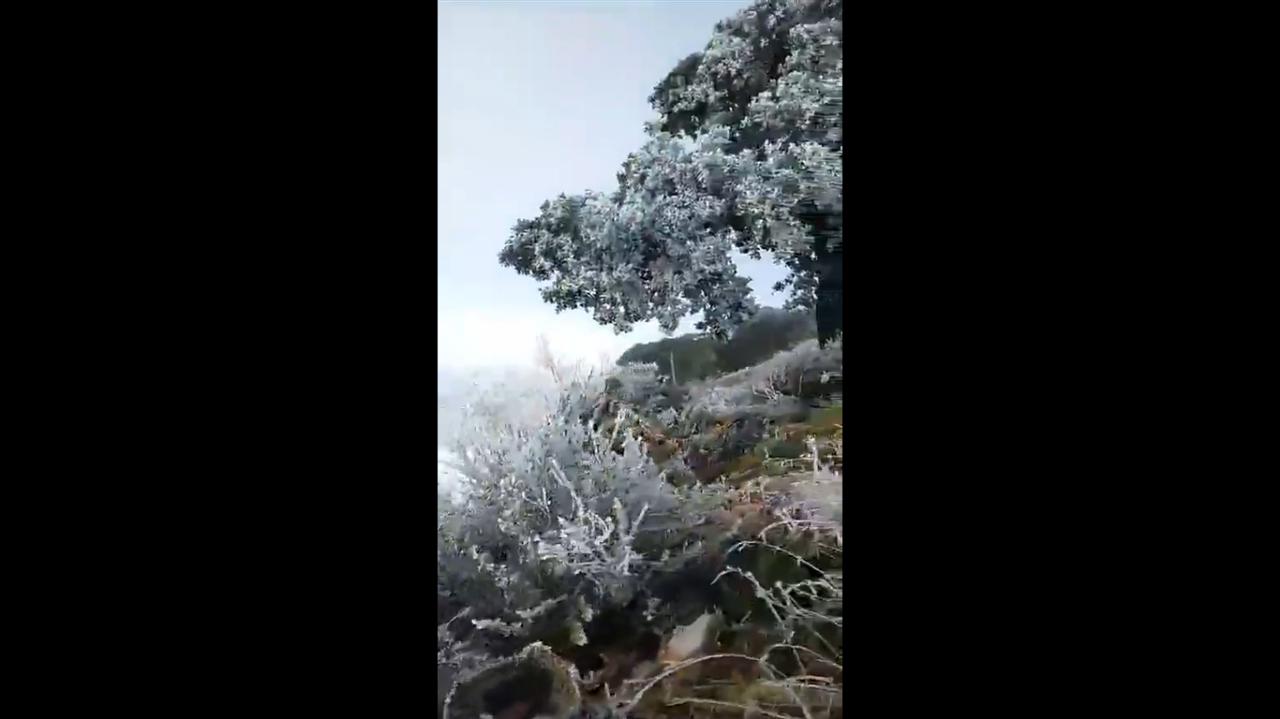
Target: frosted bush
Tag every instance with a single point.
(558, 516)
(804, 357)
(770, 389)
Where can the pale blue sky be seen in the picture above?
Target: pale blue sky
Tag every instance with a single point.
(535, 99)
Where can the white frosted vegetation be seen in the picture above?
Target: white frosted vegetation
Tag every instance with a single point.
(744, 157)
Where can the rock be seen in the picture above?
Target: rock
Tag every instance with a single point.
(692, 640)
(519, 710)
(534, 683)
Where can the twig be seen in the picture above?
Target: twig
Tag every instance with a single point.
(791, 682)
(794, 647)
(809, 677)
(760, 590)
(731, 705)
(797, 557)
(804, 708)
(824, 641)
(684, 665)
(819, 523)
(457, 616)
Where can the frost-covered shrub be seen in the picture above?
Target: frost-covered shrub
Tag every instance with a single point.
(641, 387)
(636, 382)
(524, 396)
(558, 521)
(781, 597)
(774, 389)
(789, 368)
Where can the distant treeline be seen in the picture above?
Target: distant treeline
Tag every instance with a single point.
(699, 356)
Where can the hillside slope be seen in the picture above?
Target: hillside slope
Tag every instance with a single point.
(643, 526)
(699, 356)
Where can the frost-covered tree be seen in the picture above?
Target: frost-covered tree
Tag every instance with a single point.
(745, 154)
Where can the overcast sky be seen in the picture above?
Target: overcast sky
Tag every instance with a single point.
(535, 99)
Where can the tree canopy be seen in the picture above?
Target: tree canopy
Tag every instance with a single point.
(745, 154)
